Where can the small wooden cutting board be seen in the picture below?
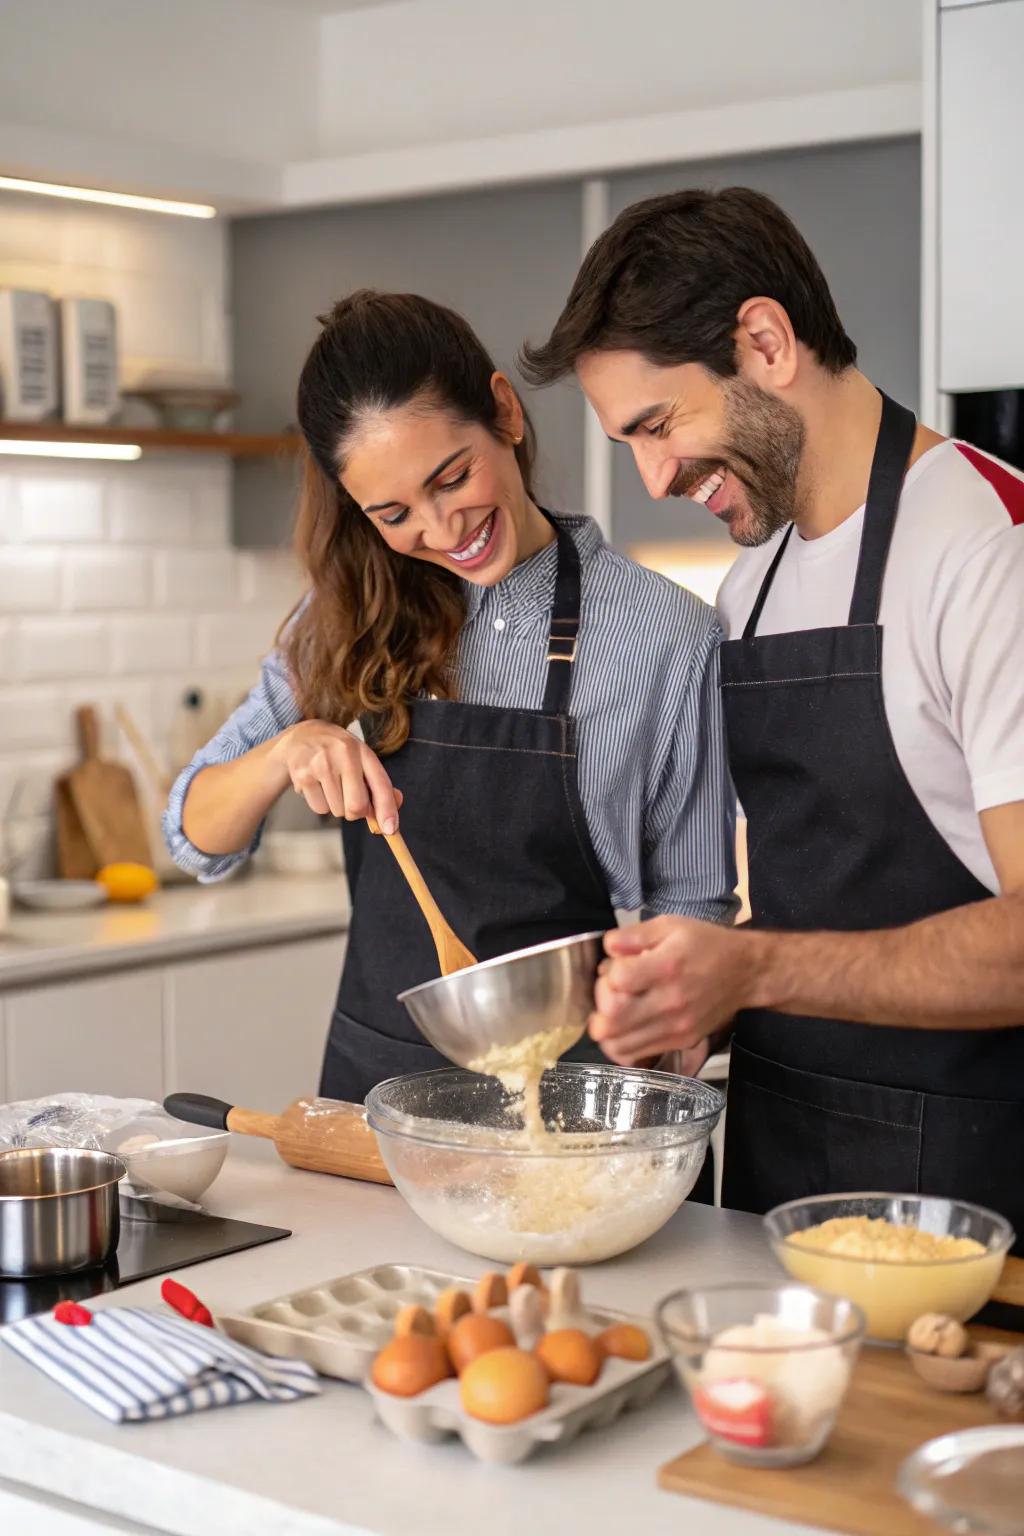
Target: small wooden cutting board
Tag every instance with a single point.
(851, 1487)
(105, 802)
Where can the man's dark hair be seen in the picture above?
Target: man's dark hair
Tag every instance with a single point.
(668, 277)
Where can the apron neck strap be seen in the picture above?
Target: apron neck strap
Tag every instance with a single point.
(564, 624)
(892, 450)
(762, 596)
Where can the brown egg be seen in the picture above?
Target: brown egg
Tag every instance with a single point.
(523, 1274)
(449, 1307)
(624, 1341)
(413, 1319)
(491, 1291)
(410, 1365)
(570, 1355)
(504, 1386)
(474, 1335)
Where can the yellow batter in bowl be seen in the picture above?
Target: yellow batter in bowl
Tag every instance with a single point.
(896, 1256)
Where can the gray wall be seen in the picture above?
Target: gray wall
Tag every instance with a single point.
(504, 259)
(858, 206)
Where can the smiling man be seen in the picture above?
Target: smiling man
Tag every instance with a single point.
(873, 684)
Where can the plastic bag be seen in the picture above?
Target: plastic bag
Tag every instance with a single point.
(70, 1120)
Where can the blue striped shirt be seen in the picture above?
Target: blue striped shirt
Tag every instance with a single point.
(652, 765)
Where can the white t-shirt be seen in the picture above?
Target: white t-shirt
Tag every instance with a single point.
(952, 613)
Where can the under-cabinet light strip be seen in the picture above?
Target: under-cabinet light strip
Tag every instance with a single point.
(32, 449)
(115, 199)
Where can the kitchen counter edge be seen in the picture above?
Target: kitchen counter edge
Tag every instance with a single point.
(178, 922)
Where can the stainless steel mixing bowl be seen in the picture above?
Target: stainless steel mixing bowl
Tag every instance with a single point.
(628, 1149)
(59, 1210)
(500, 1002)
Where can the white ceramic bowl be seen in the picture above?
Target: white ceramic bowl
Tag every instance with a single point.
(169, 1156)
(59, 895)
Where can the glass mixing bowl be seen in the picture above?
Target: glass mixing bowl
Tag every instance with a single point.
(893, 1289)
(626, 1151)
(764, 1399)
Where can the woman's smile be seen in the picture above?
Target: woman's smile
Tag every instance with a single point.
(476, 550)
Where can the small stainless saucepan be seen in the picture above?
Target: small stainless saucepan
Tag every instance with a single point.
(59, 1210)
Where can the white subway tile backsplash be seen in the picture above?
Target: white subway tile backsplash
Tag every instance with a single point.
(213, 506)
(29, 580)
(197, 578)
(33, 717)
(81, 543)
(102, 579)
(59, 647)
(236, 639)
(272, 578)
(155, 643)
(61, 509)
(143, 512)
(26, 783)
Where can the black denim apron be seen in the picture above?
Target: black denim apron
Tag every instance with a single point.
(837, 839)
(492, 814)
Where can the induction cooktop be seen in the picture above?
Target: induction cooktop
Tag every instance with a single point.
(154, 1241)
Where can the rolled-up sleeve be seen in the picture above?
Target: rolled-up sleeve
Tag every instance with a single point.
(269, 709)
(690, 827)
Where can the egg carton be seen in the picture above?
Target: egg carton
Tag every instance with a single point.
(339, 1326)
(438, 1413)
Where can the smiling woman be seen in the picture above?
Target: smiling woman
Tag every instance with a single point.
(540, 711)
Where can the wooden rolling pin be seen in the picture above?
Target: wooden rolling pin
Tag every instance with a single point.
(322, 1135)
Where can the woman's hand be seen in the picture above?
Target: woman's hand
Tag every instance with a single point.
(336, 773)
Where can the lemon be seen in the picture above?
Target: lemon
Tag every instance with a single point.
(127, 882)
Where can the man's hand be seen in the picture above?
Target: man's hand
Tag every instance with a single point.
(669, 985)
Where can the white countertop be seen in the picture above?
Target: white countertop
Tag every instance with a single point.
(323, 1466)
(179, 920)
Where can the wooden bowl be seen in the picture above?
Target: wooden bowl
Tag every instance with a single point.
(963, 1373)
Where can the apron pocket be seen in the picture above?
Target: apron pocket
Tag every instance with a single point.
(358, 1058)
(973, 1149)
(790, 1134)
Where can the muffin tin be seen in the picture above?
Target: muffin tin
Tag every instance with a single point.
(339, 1326)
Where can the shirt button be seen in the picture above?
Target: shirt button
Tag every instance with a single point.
(499, 625)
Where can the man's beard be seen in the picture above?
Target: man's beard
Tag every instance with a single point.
(764, 440)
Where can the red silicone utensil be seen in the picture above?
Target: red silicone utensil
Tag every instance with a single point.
(186, 1302)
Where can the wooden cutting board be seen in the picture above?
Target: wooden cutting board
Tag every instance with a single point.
(103, 798)
(887, 1413)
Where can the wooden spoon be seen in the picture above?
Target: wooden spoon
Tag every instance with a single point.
(452, 954)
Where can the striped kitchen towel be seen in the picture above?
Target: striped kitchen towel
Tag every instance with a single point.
(128, 1365)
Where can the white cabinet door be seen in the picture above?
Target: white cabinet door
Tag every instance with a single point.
(102, 1035)
(251, 1027)
(981, 197)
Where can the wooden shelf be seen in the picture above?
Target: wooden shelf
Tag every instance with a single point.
(237, 445)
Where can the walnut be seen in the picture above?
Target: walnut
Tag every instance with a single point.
(1005, 1386)
(935, 1334)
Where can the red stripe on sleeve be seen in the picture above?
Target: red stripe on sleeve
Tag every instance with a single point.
(1007, 486)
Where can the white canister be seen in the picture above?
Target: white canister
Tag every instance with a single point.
(5, 904)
